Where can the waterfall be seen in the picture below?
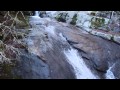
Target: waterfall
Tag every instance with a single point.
(76, 61)
(81, 70)
(79, 66)
(37, 13)
(109, 74)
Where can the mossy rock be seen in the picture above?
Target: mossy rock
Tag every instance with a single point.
(74, 19)
(61, 17)
(6, 70)
(97, 22)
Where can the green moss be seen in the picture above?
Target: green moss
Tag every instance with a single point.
(97, 22)
(6, 70)
(74, 19)
(61, 17)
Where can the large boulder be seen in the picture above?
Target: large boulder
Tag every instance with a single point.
(102, 34)
(115, 69)
(52, 14)
(83, 19)
(116, 38)
(87, 19)
(93, 48)
(30, 66)
(44, 57)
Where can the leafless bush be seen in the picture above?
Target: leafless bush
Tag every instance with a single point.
(8, 34)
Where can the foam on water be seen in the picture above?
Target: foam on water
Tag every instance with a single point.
(80, 68)
(109, 74)
(62, 37)
(37, 13)
(50, 29)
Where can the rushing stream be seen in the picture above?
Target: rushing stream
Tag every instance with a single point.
(109, 74)
(81, 70)
(36, 13)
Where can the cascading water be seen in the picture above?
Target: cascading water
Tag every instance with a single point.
(109, 74)
(81, 70)
(74, 59)
(79, 66)
(36, 13)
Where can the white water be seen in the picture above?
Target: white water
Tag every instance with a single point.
(36, 16)
(37, 13)
(109, 74)
(80, 68)
(74, 59)
(50, 29)
(62, 37)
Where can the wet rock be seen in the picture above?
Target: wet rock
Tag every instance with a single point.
(50, 51)
(28, 13)
(116, 69)
(52, 14)
(101, 34)
(45, 58)
(57, 62)
(116, 29)
(29, 66)
(82, 18)
(43, 14)
(116, 38)
(96, 49)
